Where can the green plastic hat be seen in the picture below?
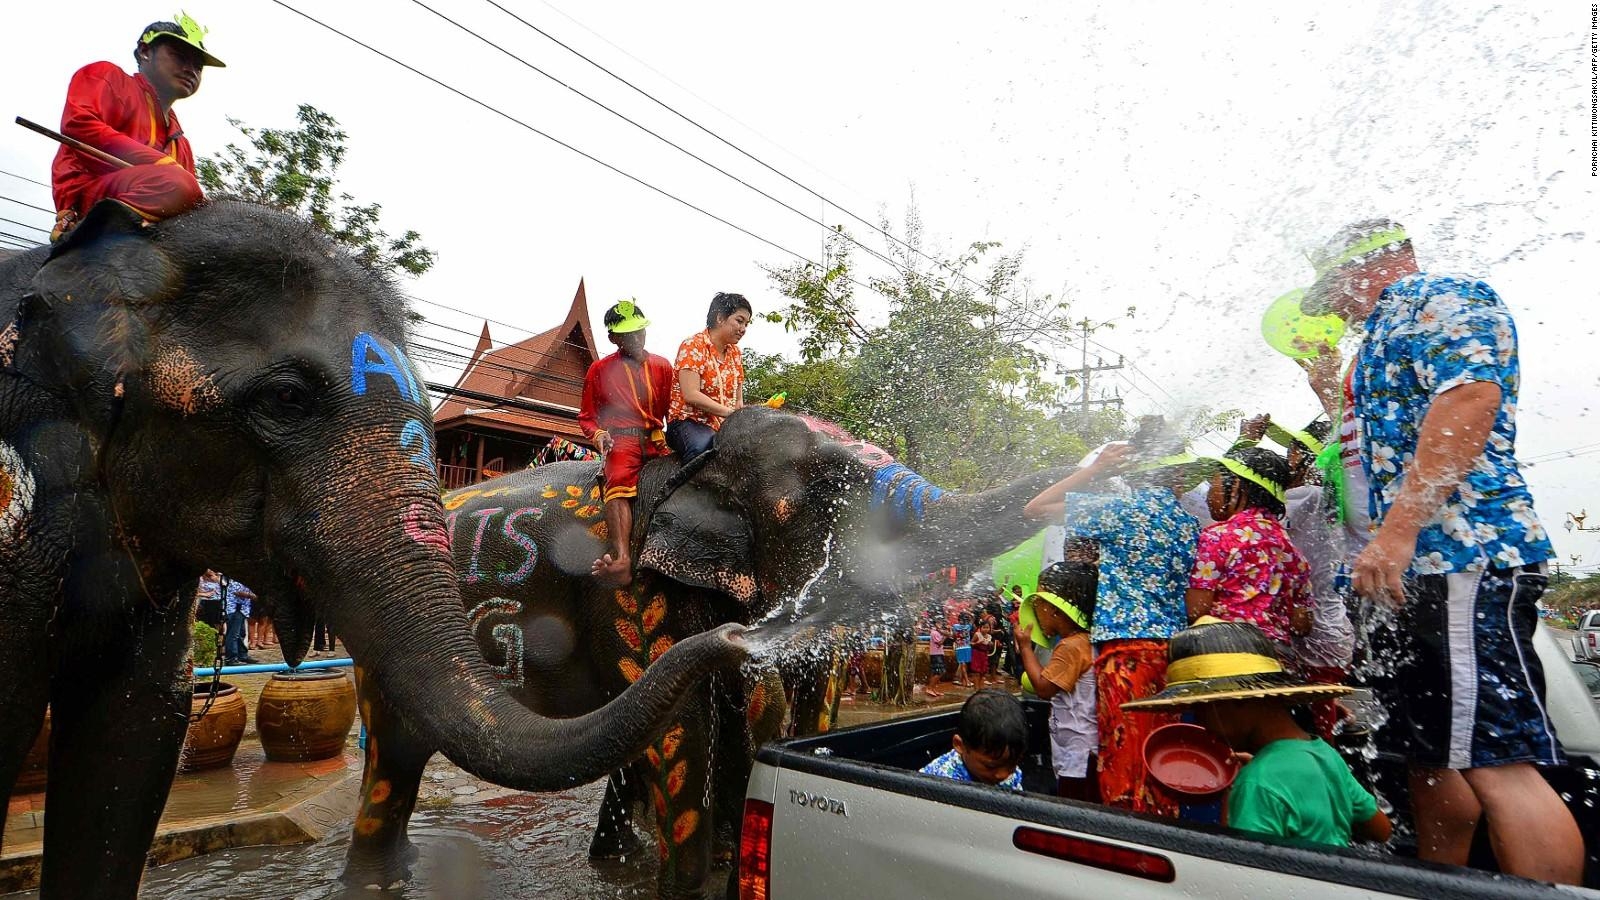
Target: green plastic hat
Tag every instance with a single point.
(1027, 615)
(1296, 335)
(188, 31)
(1248, 474)
(630, 318)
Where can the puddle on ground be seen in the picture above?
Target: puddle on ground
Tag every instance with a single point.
(524, 845)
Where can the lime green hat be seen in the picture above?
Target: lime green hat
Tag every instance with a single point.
(624, 317)
(185, 29)
(1027, 616)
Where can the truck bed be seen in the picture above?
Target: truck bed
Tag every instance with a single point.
(851, 817)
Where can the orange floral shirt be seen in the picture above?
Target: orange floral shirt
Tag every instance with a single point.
(721, 378)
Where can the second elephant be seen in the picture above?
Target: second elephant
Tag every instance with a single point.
(786, 514)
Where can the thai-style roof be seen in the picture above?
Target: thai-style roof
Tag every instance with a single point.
(546, 369)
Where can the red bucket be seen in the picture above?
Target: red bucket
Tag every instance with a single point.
(1189, 761)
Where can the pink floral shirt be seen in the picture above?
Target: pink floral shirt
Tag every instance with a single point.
(1258, 575)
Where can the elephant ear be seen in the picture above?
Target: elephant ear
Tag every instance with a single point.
(696, 539)
(85, 316)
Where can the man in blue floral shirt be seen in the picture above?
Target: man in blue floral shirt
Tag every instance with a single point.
(1458, 550)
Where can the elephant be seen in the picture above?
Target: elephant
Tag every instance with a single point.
(229, 389)
(786, 518)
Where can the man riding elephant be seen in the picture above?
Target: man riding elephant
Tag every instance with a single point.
(130, 117)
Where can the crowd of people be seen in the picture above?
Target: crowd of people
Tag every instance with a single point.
(1221, 588)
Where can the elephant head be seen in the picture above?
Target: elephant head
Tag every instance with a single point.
(241, 399)
(787, 508)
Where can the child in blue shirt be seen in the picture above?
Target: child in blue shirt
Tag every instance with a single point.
(991, 739)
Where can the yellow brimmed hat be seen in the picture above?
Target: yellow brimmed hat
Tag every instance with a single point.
(1215, 660)
(188, 31)
(1027, 615)
(624, 317)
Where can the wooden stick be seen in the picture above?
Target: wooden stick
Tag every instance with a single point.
(75, 144)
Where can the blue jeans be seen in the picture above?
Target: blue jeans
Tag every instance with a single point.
(233, 642)
(689, 439)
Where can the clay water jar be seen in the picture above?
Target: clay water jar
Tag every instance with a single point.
(211, 741)
(35, 767)
(306, 715)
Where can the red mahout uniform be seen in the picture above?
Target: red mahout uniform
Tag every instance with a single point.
(628, 401)
(113, 111)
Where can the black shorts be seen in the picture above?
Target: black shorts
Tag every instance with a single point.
(936, 664)
(1468, 690)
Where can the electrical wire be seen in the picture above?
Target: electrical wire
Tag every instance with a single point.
(24, 178)
(748, 155)
(25, 225)
(647, 130)
(544, 134)
(42, 209)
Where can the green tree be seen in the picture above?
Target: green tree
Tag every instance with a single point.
(954, 382)
(295, 170)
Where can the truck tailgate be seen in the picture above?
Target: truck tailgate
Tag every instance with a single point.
(877, 832)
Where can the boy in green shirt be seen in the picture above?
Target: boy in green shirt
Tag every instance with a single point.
(1295, 786)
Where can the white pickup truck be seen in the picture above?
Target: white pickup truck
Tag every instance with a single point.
(1586, 640)
(846, 815)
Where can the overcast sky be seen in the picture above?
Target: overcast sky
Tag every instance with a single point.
(1175, 157)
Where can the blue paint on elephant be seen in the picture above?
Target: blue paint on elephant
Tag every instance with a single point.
(414, 432)
(390, 361)
(526, 543)
(906, 492)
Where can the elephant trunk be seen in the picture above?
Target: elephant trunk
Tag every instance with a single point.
(447, 694)
(956, 529)
(380, 569)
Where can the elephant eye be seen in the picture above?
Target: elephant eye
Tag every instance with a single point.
(285, 396)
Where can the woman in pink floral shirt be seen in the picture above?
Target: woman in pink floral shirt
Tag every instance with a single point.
(1246, 569)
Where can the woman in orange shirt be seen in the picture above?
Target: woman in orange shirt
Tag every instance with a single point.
(710, 382)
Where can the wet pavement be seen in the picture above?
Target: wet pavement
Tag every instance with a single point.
(475, 839)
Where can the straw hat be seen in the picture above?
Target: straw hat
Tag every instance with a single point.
(1215, 660)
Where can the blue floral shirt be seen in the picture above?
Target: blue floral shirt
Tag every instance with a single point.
(1147, 547)
(951, 766)
(1429, 334)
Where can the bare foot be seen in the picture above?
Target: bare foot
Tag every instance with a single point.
(612, 571)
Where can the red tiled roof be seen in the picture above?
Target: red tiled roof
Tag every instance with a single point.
(545, 369)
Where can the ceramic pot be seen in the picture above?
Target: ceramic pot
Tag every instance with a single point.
(211, 741)
(306, 715)
(35, 767)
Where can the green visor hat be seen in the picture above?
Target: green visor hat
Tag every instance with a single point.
(1288, 329)
(1287, 437)
(631, 319)
(1029, 616)
(188, 31)
(1235, 467)
(1317, 300)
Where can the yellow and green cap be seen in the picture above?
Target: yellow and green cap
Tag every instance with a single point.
(1248, 474)
(1286, 437)
(1355, 242)
(184, 29)
(1027, 615)
(627, 318)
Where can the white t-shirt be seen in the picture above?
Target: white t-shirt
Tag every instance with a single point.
(1323, 544)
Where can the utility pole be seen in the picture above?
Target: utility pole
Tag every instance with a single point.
(1086, 371)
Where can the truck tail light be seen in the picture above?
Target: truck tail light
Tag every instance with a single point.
(1126, 860)
(1592, 640)
(755, 851)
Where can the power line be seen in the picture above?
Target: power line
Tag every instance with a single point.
(25, 225)
(748, 155)
(29, 242)
(657, 135)
(24, 178)
(28, 205)
(546, 135)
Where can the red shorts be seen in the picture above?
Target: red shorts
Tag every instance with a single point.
(1130, 670)
(622, 465)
